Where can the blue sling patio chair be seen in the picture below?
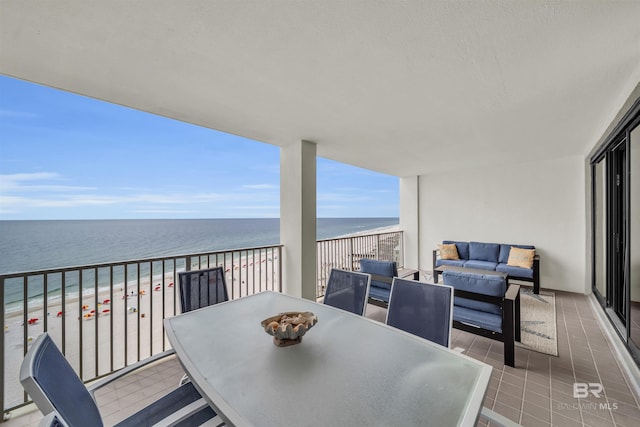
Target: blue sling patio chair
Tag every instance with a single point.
(54, 386)
(382, 274)
(348, 290)
(202, 288)
(423, 309)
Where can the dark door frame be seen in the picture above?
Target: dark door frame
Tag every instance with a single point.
(615, 152)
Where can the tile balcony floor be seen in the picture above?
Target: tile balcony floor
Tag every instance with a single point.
(538, 392)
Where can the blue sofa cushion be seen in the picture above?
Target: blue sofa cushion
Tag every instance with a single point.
(482, 265)
(492, 322)
(479, 284)
(380, 268)
(505, 250)
(462, 247)
(515, 271)
(456, 262)
(484, 251)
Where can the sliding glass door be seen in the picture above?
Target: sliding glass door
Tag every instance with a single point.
(615, 177)
(609, 225)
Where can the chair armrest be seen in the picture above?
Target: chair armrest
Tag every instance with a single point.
(536, 263)
(495, 418)
(536, 274)
(127, 370)
(436, 253)
(186, 412)
(512, 292)
(52, 419)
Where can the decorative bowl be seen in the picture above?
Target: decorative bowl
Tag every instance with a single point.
(288, 328)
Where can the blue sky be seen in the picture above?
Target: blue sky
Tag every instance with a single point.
(64, 156)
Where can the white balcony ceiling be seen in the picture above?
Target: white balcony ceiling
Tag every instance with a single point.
(400, 87)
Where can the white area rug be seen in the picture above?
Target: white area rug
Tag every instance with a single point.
(538, 321)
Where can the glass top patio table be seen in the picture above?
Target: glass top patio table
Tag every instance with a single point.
(347, 371)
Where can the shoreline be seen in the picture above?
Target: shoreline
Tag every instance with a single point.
(378, 230)
(16, 308)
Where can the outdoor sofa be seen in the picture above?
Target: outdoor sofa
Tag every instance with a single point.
(523, 264)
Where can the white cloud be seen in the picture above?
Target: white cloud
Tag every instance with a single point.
(14, 114)
(147, 202)
(20, 182)
(261, 186)
(346, 198)
(20, 203)
(163, 211)
(19, 177)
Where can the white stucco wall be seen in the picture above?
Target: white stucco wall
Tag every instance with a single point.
(409, 220)
(298, 219)
(539, 203)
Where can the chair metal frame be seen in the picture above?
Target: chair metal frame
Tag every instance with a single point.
(379, 278)
(182, 276)
(328, 289)
(219, 271)
(52, 419)
(398, 282)
(52, 414)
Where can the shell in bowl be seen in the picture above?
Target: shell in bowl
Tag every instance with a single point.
(288, 328)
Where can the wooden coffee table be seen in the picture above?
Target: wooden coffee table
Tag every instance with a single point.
(407, 273)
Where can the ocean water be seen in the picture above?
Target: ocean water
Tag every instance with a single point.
(39, 245)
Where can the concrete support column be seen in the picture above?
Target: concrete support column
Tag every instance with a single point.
(298, 218)
(410, 220)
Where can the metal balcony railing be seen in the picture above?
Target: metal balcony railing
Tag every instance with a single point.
(107, 316)
(346, 252)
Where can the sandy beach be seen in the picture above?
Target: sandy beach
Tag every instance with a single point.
(124, 320)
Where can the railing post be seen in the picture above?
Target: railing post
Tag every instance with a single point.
(401, 256)
(80, 333)
(280, 268)
(351, 254)
(2, 393)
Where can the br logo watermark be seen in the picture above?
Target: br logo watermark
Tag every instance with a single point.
(584, 391)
